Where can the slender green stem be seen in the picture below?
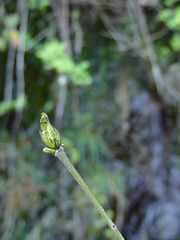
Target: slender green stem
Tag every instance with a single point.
(60, 153)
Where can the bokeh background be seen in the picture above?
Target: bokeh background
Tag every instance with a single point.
(108, 75)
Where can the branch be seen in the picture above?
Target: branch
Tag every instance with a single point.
(151, 55)
(9, 73)
(51, 137)
(9, 77)
(61, 11)
(20, 63)
(60, 153)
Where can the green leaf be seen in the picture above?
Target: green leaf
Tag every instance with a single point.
(164, 15)
(170, 2)
(11, 21)
(108, 233)
(175, 42)
(53, 54)
(171, 17)
(7, 106)
(32, 4)
(76, 14)
(74, 155)
(110, 213)
(163, 51)
(3, 44)
(42, 4)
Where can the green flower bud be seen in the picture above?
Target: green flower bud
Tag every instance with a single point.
(49, 135)
(43, 121)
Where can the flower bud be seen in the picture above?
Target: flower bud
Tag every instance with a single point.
(49, 135)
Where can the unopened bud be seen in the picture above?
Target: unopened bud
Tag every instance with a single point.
(49, 135)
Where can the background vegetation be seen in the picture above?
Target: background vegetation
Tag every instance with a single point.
(108, 75)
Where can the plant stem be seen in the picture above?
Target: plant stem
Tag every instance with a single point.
(60, 153)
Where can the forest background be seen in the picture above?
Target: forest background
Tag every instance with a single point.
(108, 75)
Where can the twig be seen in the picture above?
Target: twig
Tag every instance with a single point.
(24, 7)
(60, 153)
(61, 12)
(9, 77)
(151, 55)
(9, 73)
(51, 138)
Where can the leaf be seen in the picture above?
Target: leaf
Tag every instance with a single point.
(8, 106)
(76, 14)
(170, 2)
(108, 233)
(171, 17)
(3, 44)
(53, 54)
(175, 42)
(11, 21)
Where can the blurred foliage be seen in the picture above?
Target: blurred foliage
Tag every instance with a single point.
(54, 57)
(76, 14)
(42, 5)
(171, 17)
(8, 106)
(119, 129)
(8, 32)
(175, 42)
